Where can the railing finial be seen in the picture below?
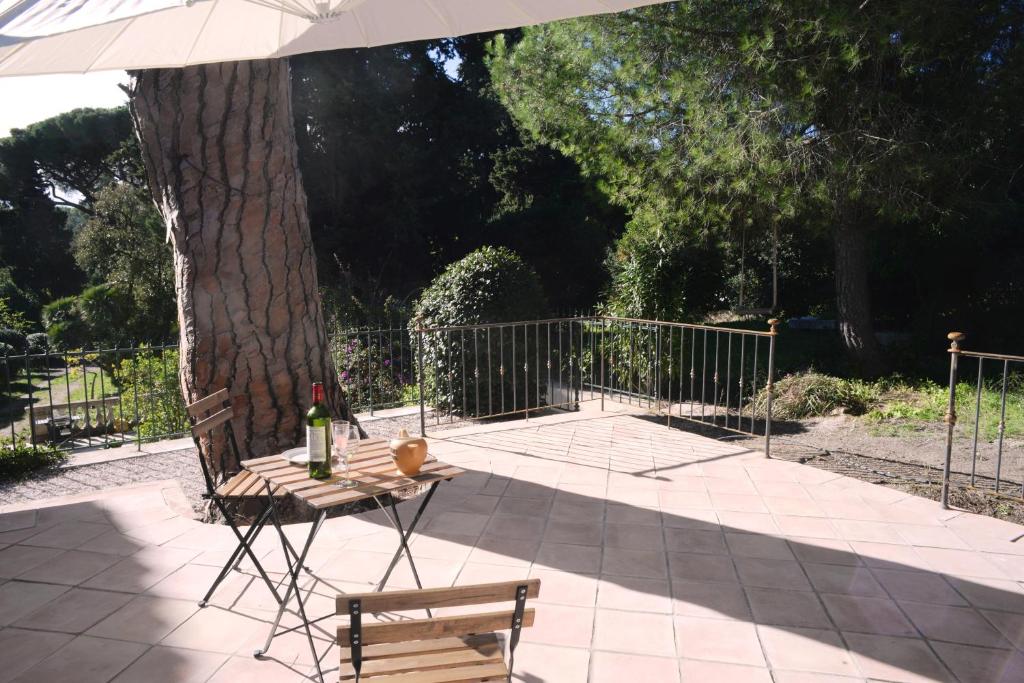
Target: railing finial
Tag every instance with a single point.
(773, 323)
(954, 340)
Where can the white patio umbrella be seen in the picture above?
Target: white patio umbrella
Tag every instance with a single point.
(72, 36)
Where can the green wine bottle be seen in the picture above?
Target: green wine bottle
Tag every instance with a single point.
(318, 435)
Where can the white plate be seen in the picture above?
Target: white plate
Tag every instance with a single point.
(297, 456)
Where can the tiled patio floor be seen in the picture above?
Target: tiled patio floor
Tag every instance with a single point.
(664, 557)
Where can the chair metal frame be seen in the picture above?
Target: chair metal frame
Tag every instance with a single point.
(220, 402)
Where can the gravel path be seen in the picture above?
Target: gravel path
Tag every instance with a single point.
(182, 465)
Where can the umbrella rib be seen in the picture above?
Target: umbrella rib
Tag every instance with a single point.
(362, 29)
(515, 5)
(440, 17)
(110, 42)
(199, 33)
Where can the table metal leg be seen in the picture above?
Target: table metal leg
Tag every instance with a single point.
(404, 535)
(244, 544)
(236, 558)
(293, 572)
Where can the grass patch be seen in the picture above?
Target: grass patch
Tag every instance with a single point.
(905, 406)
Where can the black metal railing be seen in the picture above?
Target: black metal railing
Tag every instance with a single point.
(100, 397)
(985, 398)
(376, 366)
(718, 376)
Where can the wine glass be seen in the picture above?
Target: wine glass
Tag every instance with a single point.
(340, 433)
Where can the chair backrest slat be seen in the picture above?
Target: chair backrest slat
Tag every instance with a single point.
(429, 598)
(215, 420)
(438, 627)
(214, 400)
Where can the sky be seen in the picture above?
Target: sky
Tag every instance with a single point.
(27, 99)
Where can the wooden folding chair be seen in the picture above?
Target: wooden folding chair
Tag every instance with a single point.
(208, 414)
(461, 648)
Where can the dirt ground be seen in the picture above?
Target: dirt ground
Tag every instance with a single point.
(909, 457)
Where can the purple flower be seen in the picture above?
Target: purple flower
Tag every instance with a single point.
(387, 363)
(344, 376)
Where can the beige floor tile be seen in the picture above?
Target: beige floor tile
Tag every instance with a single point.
(21, 559)
(242, 668)
(537, 663)
(886, 658)
(576, 533)
(614, 667)
(172, 664)
(748, 522)
(516, 527)
(13, 521)
(75, 611)
(138, 572)
(68, 535)
(650, 564)
(733, 642)
(1010, 624)
(634, 633)
(918, 586)
(824, 551)
(787, 608)
(627, 514)
(113, 543)
(634, 537)
(695, 671)
(570, 558)
(84, 660)
(695, 541)
(756, 545)
(833, 578)
(21, 649)
(695, 567)
(145, 619)
(954, 624)
(981, 665)
(634, 594)
(71, 567)
(486, 573)
(1000, 594)
(18, 599)
(561, 625)
(805, 649)
(213, 629)
(464, 523)
(877, 616)
(565, 588)
(706, 520)
(889, 556)
(714, 600)
(762, 573)
(960, 563)
(806, 527)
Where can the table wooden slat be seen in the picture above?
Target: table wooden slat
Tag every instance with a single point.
(372, 467)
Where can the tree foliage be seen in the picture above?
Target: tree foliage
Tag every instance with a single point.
(702, 118)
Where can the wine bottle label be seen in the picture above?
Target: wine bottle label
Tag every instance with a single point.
(316, 443)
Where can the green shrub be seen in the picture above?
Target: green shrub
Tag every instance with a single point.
(19, 459)
(490, 285)
(812, 394)
(13, 338)
(38, 342)
(63, 322)
(150, 380)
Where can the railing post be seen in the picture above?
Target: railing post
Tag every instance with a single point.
(770, 388)
(419, 353)
(603, 325)
(954, 357)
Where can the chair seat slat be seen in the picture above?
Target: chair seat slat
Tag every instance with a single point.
(495, 671)
(438, 627)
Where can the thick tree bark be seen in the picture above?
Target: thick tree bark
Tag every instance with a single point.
(853, 300)
(219, 147)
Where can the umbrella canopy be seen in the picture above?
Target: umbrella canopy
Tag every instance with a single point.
(78, 36)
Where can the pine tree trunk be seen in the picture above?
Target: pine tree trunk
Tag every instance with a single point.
(853, 301)
(219, 147)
